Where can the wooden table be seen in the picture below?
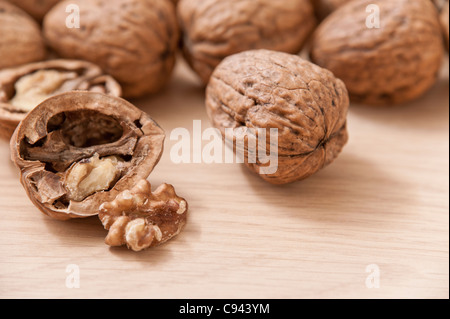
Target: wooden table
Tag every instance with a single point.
(381, 209)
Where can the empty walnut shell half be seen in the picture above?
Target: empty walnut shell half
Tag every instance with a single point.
(24, 87)
(135, 41)
(20, 37)
(264, 89)
(78, 150)
(140, 218)
(215, 29)
(395, 63)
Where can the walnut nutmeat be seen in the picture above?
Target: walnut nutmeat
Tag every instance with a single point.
(140, 218)
(268, 89)
(77, 150)
(393, 64)
(215, 29)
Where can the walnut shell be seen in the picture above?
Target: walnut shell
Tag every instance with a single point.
(395, 63)
(215, 29)
(72, 143)
(35, 8)
(268, 89)
(134, 41)
(79, 75)
(445, 23)
(325, 7)
(20, 37)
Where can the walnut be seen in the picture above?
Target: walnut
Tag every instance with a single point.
(24, 87)
(134, 41)
(35, 8)
(141, 219)
(77, 150)
(20, 38)
(325, 7)
(444, 22)
(392, 64)
(215, 29)
(268, 89)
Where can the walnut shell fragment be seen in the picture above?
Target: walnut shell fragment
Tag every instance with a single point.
(215, 29)
(78, 150)
(395, 63)
(134, 41)
(20, 37)
(24, 87)
(140, 218)
(264, 89)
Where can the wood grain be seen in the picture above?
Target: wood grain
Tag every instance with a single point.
(385, 201)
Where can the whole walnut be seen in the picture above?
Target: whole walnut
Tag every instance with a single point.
(134, 41)
(215, 29)
(270, 90)
(78, 150)
(36, 8)
(20, 37)
(395, 63)
(325, 7)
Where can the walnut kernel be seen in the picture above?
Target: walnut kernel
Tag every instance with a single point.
(140, 218)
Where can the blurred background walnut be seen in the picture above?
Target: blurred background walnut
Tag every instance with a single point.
(134, 41)
(140, 218)
(35, 8)
(24, 87)
(268, 89)
(20, 37)
(324, 7)
(395, 63)
(215, 29)
(77, 150)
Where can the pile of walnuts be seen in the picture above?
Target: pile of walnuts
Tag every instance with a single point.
(83, 150)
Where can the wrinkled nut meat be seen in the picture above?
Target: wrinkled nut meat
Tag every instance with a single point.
(135, 41)
(395, 63)
(140, 218)
(20, 37)
(215, 29)
(325, 7)
(37, 9)
(78, 150)
(268, 89)
(24, 87)
(445, 23)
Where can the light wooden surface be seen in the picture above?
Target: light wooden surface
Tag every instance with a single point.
(384, 201)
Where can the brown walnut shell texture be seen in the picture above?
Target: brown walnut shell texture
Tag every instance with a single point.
(215, 29)
(20, 37)
(393, 64)
(35, 8)
(140, 218)
(445, 23)
(89, 78)
(135, 41)
(72, 127)
(268, 89)
(325, 7)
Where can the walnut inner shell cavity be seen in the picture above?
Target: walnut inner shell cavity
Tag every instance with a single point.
(77, 150)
